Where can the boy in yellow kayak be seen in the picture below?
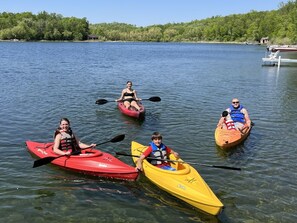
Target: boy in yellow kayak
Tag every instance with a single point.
(158, 151)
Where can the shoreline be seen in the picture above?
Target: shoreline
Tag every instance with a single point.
(108, 41)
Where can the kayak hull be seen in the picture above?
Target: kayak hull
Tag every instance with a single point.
(227, 139)
(132, 112)
(91, 162)
(185, 183)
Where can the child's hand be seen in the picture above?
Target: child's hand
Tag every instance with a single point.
(176, 154)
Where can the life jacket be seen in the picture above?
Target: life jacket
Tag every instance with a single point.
(236, 114)
(230, 124)
(159, 153)
(68, 141)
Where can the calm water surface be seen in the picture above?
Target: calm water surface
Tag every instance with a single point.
(42, 82)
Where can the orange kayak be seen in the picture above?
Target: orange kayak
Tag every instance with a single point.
(226, 139)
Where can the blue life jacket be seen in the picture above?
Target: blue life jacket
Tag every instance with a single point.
(236, 114)
(159, 153)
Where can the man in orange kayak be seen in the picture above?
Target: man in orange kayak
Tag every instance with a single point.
(239, 115)
(158, 151)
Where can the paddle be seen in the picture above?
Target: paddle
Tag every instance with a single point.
(153, 99)
(47, 160)
(168, 160)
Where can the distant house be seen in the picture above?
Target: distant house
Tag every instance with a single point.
(92, 37)
(264, 40)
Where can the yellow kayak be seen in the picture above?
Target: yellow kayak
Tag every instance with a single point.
(185, 183)
(226, 139)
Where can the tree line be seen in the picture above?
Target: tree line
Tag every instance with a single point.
(43, 26)
(279, 25)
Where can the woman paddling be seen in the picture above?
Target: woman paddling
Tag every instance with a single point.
(129, 97)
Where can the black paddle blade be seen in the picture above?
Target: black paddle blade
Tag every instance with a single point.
(101, 101)
(155, 99)
(118, 138)
(43, 161)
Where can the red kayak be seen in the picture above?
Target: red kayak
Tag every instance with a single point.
(132, 112)
(90, 161)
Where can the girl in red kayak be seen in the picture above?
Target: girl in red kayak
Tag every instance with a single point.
(65, 141)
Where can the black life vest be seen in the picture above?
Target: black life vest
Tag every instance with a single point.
(68, 141)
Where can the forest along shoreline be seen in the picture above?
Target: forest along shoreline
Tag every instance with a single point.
(255, 27)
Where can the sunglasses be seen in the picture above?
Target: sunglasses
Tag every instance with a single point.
(235, 102)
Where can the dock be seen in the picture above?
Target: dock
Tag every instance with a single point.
(274, 59)
(277, 61)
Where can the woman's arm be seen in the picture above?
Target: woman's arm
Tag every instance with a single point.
(122, 96)
(83, 145)
(135, 96)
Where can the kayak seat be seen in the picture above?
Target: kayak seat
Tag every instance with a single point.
(176, 165)
(90, 153)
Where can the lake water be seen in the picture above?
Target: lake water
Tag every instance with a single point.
(43, 82)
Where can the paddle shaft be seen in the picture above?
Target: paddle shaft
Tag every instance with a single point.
(153, 99)
(178, 161)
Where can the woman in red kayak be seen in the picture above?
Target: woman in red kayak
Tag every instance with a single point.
(65, 141)
(129, 97)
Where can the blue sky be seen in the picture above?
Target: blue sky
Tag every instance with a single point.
(140, 12)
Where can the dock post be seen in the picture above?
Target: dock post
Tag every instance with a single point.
(279, 61)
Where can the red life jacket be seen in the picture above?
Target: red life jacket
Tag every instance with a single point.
(230, 124)
(68, 141)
